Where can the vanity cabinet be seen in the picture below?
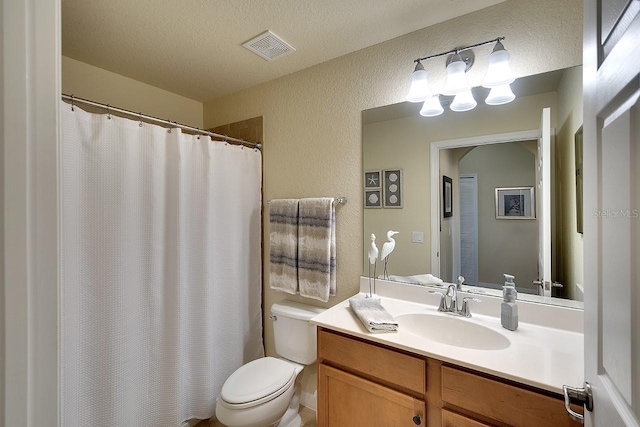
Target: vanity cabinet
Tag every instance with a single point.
(366, 384)
(361, 384)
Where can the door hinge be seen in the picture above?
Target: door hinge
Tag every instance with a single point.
(583, 395)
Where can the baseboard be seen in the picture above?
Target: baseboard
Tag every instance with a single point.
(308, 400)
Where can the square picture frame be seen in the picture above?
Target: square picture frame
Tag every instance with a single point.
(447, 197)
(373, 199)
(392, 196)
(515, 203)
(372, 179)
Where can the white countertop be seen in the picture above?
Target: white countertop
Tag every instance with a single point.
(538, 356)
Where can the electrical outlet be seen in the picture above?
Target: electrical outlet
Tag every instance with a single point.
(417, 237)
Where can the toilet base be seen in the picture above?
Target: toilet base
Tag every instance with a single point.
(292, 418)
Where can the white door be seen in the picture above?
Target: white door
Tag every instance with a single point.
(611, 210)
(543, 201)
(468, 189)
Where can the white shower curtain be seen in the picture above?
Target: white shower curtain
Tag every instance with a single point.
(160, 270)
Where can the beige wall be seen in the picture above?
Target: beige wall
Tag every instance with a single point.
(95, 84)
(392, 145)
(570, 253)
(504, 246)
(312, 118)
(448, 167)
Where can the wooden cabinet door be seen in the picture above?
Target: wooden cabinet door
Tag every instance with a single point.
(348, 400)
(451, 419)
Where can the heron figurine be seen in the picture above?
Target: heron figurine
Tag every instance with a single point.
(387, 248)
(373, 257)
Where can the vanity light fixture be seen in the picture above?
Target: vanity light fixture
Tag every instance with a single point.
(499, 72)
(420, 90)
(456, 77)
(464, 101)
(498, 78)
(432, 107)
(500, 95)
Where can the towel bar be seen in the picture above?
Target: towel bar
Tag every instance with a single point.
(341, 200)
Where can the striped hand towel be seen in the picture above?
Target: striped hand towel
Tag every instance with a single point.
(317, 248)
(283, 242)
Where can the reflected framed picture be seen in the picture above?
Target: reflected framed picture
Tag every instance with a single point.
(372, 199)
(447, 197)
(392, 190)
(372, 179)
(515, 203)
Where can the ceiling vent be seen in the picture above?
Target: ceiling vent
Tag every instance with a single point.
(269, 46)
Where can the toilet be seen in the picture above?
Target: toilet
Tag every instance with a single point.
(263, 393)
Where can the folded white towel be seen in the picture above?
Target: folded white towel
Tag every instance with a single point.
(283, 242)
(317, 248)
(373, 315)
(418, 279)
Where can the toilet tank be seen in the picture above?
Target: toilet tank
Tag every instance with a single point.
(295, 337)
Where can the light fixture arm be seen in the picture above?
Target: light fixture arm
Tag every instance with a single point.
(458, 50)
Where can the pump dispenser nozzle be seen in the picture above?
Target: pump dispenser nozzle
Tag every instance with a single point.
(509, 292)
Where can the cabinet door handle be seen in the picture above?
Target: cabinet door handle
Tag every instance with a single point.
(417, 420)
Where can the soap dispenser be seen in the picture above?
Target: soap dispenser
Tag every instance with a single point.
(509, 312)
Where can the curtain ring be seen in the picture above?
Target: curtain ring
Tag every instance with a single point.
(140, 118)
(108, 112)
(72, 105)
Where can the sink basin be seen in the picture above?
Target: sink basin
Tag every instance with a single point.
(452, 331)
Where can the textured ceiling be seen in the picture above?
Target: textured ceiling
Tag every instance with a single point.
(194, 47)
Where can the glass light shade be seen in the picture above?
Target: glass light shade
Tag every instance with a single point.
(499, 72)
(463, 102)
(419, 90)
(500, 95)
(432, 107)
(456, 77)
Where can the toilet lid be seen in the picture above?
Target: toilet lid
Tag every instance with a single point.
(257, 379)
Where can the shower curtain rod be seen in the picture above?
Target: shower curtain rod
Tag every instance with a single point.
(141, 116)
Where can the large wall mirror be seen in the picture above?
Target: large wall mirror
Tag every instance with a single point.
(489, 219)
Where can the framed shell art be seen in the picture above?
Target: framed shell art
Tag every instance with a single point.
(392, 188)
(373, 189)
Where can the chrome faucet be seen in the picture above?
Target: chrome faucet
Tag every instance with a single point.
(452, 306)
(453, 294)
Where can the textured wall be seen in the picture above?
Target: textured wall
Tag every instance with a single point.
(93, 83)
(312, 118)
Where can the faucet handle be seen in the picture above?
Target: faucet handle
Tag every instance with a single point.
(460, 282)
(465, 305)
(443, 304)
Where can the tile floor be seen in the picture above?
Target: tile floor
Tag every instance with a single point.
(308, 419)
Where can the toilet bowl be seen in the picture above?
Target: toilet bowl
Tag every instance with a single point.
(263, 393)
(258, 393)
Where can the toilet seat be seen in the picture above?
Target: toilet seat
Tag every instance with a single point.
(257, 382)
